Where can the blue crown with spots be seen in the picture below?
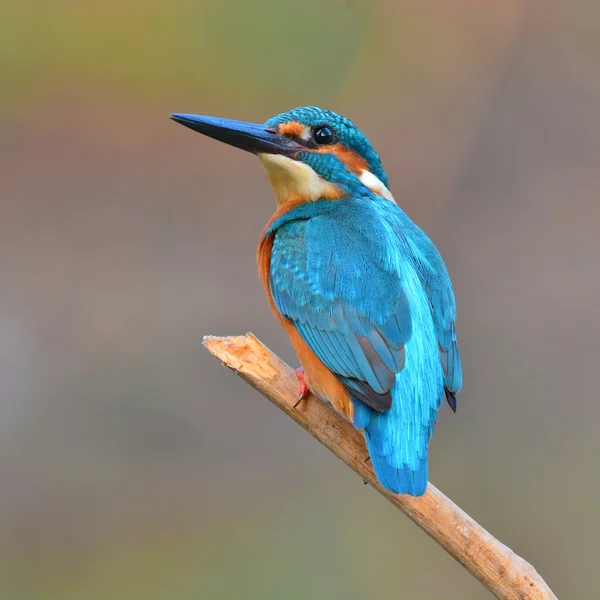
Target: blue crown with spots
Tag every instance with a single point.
(345, 131)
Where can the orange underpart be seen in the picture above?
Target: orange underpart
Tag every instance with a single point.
(291, 128)
(321, 381)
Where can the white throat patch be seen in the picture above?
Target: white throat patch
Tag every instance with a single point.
(293, 179)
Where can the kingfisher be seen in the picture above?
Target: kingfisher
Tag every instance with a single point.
(362, 292)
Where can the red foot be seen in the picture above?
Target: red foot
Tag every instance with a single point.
(303, 387)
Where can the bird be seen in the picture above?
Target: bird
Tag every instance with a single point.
(362, 292)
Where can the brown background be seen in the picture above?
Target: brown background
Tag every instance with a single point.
(132, 465)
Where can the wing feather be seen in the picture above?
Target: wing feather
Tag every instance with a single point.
(346, 301)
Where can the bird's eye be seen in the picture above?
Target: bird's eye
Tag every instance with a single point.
(323, 135)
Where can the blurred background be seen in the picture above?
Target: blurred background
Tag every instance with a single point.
(131, 464)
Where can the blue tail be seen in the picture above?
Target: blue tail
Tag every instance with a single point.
(398, 450)
(401, 480)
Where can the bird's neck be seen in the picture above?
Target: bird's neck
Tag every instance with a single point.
(294, 211)
(295, 182)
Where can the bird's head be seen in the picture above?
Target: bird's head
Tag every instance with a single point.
(308, 153)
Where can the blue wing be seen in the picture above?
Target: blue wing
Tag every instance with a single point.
(438, 287)
(439, 292)
(335, 278)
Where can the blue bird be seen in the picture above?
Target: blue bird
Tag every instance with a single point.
(362, 292)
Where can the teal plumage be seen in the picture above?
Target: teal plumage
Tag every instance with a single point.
(362, 292)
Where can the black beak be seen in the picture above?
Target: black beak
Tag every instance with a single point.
(257, 139)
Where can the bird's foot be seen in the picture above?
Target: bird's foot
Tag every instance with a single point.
(303, 387)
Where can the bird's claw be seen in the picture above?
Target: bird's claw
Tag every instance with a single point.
(303, 387)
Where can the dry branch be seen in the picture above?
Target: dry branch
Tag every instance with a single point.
(504, 573)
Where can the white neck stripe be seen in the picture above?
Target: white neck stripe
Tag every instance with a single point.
(375, 185)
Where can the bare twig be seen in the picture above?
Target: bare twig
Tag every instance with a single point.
(505, 574)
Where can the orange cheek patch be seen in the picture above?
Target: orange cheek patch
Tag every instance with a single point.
(356, 164)
(291, 128)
